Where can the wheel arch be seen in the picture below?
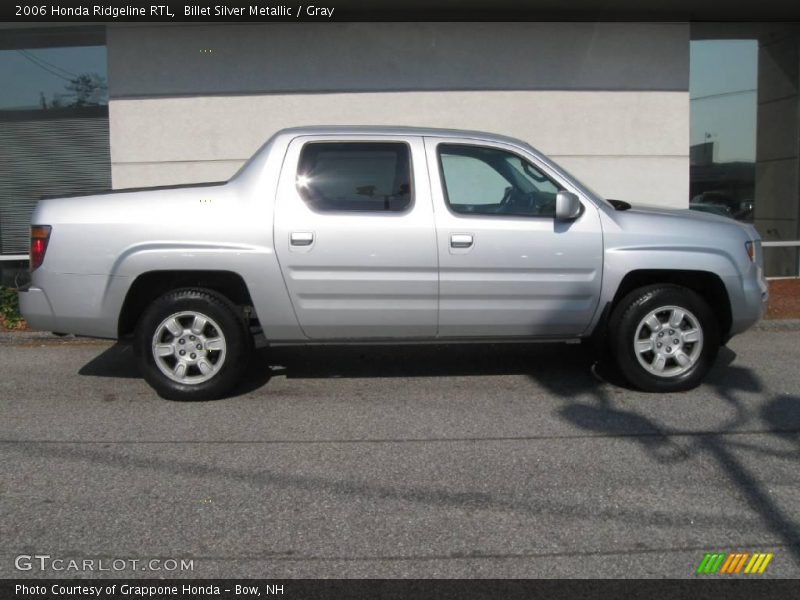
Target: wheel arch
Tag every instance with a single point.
(706, 284)
(150, 285)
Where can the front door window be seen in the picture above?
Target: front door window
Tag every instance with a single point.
(488, 181)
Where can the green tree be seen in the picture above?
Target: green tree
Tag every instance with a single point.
(87, 89)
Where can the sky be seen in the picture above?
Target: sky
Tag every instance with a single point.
(723, 75)
(22, 81)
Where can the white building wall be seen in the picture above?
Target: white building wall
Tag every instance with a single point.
(608, 101)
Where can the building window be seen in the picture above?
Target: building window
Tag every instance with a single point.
(53, 78)
(723, 96)
(54, 133)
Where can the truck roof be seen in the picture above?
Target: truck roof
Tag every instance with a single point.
(395, 130)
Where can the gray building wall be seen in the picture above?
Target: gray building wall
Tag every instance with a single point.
(777, 204)
(608, 101)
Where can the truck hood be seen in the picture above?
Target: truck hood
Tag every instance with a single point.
(644, 226)
(678, 220)
(680, 213)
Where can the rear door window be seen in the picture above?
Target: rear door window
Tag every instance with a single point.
(355, 176)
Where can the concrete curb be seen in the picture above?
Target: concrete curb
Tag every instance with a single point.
(29, 338)
(778, 325)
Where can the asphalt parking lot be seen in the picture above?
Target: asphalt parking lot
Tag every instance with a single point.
(416, 461)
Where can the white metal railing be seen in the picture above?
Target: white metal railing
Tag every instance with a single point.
(783, 244)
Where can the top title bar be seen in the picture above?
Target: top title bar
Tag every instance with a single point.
(55, 11)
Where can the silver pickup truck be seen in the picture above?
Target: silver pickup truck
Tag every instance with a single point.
(360, 234)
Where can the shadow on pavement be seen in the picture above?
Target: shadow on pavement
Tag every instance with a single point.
(783, 416)
(571, 364)
(779, 416)
(119, 361)
(570, 375)
(434, 360)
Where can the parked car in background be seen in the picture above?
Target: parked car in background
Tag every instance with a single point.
(714, 209)
(372, 234)
(723, 203)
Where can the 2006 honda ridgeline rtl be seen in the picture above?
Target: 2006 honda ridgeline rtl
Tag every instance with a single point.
(343, 234)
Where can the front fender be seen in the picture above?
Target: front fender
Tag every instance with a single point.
(621, 261)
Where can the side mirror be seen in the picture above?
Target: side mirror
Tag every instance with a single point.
(568, 207)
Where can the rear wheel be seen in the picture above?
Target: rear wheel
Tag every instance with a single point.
(192, 344)
(664, 338)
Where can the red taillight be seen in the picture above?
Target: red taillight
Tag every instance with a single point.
(40, 234)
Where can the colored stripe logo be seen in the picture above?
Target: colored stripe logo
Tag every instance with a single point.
(734, 563)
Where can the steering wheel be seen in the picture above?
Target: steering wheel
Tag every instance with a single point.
(504, 201)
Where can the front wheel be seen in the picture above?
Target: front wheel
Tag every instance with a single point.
(664, 338)
(192, 344)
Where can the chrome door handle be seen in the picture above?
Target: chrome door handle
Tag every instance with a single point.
(460, 240)
(301, 238)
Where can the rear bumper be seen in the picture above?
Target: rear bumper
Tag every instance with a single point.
(37, 310)
(85, 305)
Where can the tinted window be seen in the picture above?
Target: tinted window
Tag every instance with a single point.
(54, 136)
(53, 79)
(481, 180)
(723, 94)
(355, 176)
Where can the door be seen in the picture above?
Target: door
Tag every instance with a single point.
(355, 237)
(507, 266)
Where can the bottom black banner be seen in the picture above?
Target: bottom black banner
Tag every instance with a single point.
(390, 589)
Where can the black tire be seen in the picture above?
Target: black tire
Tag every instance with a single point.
(624, 329)
(225, 321)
